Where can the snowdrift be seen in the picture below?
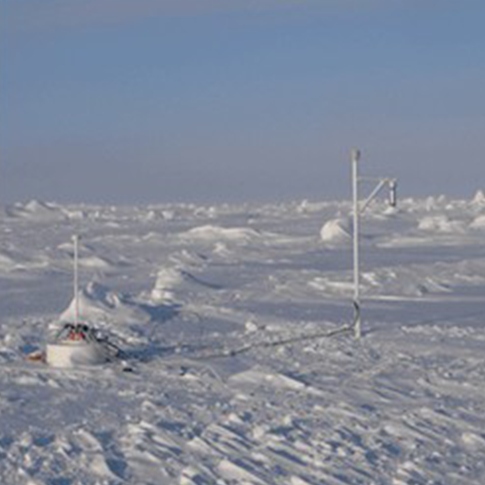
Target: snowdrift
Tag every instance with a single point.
(8, 262)
(37, 211)
(405, 281)
(478, 223)
(336, 231)
(211, 233)
(173, 282)
(98, 305)
(479, 198)
(442, 223)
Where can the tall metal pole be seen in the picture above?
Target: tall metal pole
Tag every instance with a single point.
(355, 155)
(75, 239)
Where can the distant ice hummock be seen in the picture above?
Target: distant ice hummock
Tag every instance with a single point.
(37, 211)
(167, 280)
(479, 198)
(335, 231)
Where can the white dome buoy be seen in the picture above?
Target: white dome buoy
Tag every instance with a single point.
(69, 353)
(78, 343)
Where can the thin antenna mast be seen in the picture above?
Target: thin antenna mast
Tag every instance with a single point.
(75, 240)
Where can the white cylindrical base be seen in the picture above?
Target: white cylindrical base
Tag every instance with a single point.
(71, 353)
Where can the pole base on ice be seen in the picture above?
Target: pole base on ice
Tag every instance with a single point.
(357, 320)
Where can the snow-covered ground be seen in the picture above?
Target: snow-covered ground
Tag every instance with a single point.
(200, 298)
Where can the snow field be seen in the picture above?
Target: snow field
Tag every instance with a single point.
(199, 298)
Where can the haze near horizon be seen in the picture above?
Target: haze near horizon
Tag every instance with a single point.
(208, 101)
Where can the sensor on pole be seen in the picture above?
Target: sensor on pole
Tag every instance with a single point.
(392, 193)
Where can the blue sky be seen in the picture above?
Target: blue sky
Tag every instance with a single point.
(134, 101)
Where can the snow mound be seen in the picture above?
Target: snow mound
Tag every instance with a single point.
(258, 376)
(221, 250)
(7, 262)
(88, 258)
(432, 202)
(12, 260)
(170, 281)
(99, 304)
(156, 215)
(405, 281)
(336, 231)
(441, 223)
(391, 211)
(211, 233)
(478, 223)
(189, 258)
(38, 211)
(479, 198)
(95, 262)
(307, 207)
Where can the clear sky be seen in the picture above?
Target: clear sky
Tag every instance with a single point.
(134, 101)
